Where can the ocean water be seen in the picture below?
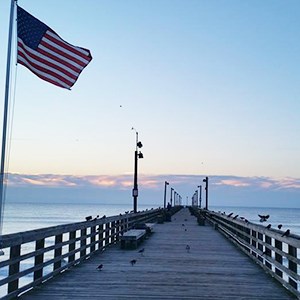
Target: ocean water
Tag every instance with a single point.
(20, 217)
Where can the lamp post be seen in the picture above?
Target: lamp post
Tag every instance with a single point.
(171, 199)
(165, 196)
(137, 155)
(200, 194)
(206, 192)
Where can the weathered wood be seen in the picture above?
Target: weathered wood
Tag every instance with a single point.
(14, 268)
(212, 269)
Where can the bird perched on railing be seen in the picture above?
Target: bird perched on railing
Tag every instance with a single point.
(89, 218)
(230, 214)
(263, 218)
(269, 226)
(286, 233)
(279, 226)
(235, 217)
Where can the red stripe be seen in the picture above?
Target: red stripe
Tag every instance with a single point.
(47, 62)
(64, 54)
(67, 46)
(67, 64)
(44, 70)
(42, 77)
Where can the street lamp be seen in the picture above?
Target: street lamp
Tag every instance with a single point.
(137, 154)
(200, 194)
(206, 192)
(165, 200)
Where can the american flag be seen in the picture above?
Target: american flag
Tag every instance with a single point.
(46, 54)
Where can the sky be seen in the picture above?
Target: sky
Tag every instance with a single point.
(211, 86)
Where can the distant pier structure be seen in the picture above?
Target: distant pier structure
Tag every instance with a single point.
(177, 253)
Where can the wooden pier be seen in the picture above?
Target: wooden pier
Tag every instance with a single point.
(211, 267)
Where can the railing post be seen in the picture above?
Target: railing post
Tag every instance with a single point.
(40, 244)
(72, 236)
(268, 251)
(278, 257)
(100, 236)
(260, 245)
(253, 242)
(113, 232)
(107, 233)
(83, 242)
(93, 238)
(293, 266)
(58, 251)
(15, 252)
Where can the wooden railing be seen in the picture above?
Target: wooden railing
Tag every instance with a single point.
(32, 257)
(278, 255)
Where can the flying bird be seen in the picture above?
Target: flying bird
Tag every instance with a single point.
(287, 233)
(133, 262)
(279, 226)
(100, 267)
(269, 226)
(263, 218)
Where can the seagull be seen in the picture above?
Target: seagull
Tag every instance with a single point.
(287, 233)
(100, 267)
(235, 217)
(89, 218)
(263, 218)
(188, 248)
(246, 221)
(104, 216)
(269, 226)
(133, 262)
(279, 226)
(230, 214)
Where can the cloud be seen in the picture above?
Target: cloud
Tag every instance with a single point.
(223, 190)
(150, 181)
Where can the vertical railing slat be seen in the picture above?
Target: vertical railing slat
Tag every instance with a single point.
(39, 259)
(15, 252)
(58, 251)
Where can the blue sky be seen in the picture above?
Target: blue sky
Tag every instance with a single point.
(211, 86)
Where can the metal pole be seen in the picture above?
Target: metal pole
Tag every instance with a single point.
(200, 194)
(135, 184)
(171, 196)
(165, 195)
(7, 83)
(206, 190)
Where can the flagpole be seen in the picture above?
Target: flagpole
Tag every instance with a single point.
(5, 112)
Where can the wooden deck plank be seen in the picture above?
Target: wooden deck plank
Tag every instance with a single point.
(212, 269)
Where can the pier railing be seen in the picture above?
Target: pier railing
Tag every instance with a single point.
(277, 254)
(33, 257)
